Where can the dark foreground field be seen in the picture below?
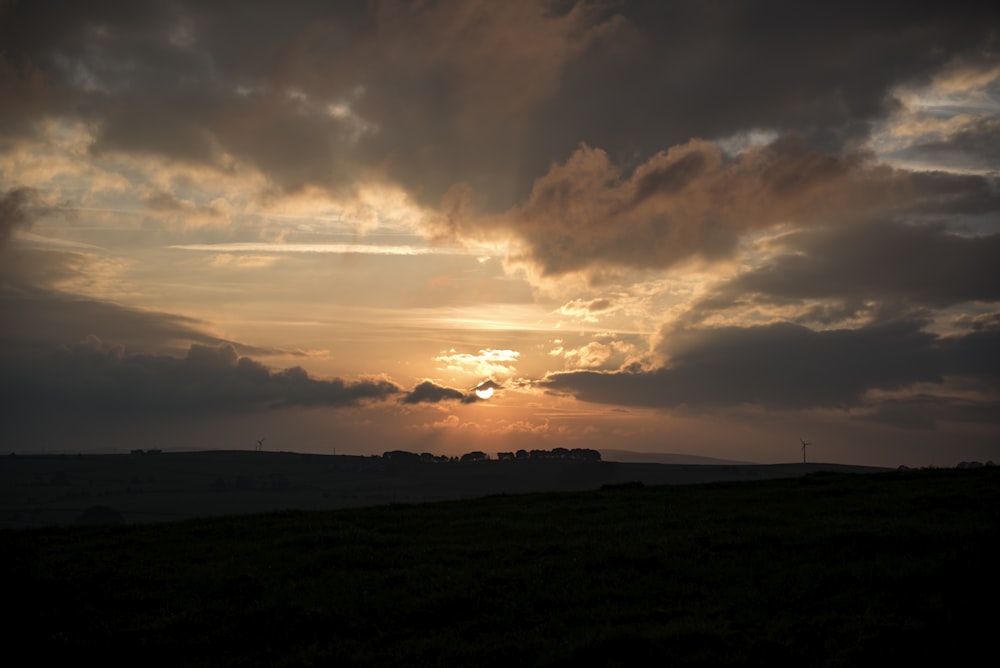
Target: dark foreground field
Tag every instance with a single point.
(825, 569)
(38, 490)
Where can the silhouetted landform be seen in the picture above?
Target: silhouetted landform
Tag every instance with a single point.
(57, 489)
(825, 569)
(666, 458)
(100, 515)
(574, 454)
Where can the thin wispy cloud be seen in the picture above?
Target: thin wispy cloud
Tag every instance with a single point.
(338, 249)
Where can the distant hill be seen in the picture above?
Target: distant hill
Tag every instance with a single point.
(664, 458)
(154, 486)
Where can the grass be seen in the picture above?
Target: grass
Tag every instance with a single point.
(823, 570)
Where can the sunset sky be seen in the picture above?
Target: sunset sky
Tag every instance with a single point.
(698, 227)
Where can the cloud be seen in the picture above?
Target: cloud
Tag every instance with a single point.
(488, 362)
(949, 120)
(94, 379)
(27, 268)
(926, 411)
(434, 94)
(788, 366)
(692, 201)
(587, 310)
(339, 249)
(310, 93)
(16, 212)
(36, 320)
(600, 355)
(867, 266)
(976, 145)
(429, 392)
(702, 69)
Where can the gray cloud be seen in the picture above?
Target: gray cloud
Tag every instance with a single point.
(26, 269)
(977, 145)
(928, 411)
(432, 393)
(16, 211)
(709, 69)
(787, 366)
(885, 262)
(433, 94)
(34, 319)
(91, 378)
(586, 214)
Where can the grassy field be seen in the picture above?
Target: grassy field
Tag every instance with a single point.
(822, 570)
(39, 490)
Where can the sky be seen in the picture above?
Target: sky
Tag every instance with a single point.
(712, 228)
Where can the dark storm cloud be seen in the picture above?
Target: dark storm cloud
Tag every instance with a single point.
(787, 366)
(710, 69)
(949, 194)
(438, 93)
(90, 377)
(431, 393)
(305, 90)
(885, 262)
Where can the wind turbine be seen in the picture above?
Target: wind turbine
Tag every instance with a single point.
(260, 444)
(804, 444)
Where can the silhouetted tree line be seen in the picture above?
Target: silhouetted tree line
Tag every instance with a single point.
(577, 454)
(404, 457)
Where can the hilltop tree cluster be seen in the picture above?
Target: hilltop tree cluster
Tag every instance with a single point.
(579, 454)
(576, 454)
(404, 457)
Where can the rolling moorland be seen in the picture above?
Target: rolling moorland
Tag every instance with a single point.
(154, 486)
(825, 568)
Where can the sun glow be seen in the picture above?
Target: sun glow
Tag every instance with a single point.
(484, 392)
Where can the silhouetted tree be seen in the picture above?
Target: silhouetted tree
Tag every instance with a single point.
(475, 456)
(401, 456)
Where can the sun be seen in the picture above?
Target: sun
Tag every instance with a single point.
(484, 392)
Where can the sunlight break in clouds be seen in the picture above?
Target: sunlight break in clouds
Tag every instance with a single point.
(487, 363)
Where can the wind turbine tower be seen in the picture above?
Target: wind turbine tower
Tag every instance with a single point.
(804, 444)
